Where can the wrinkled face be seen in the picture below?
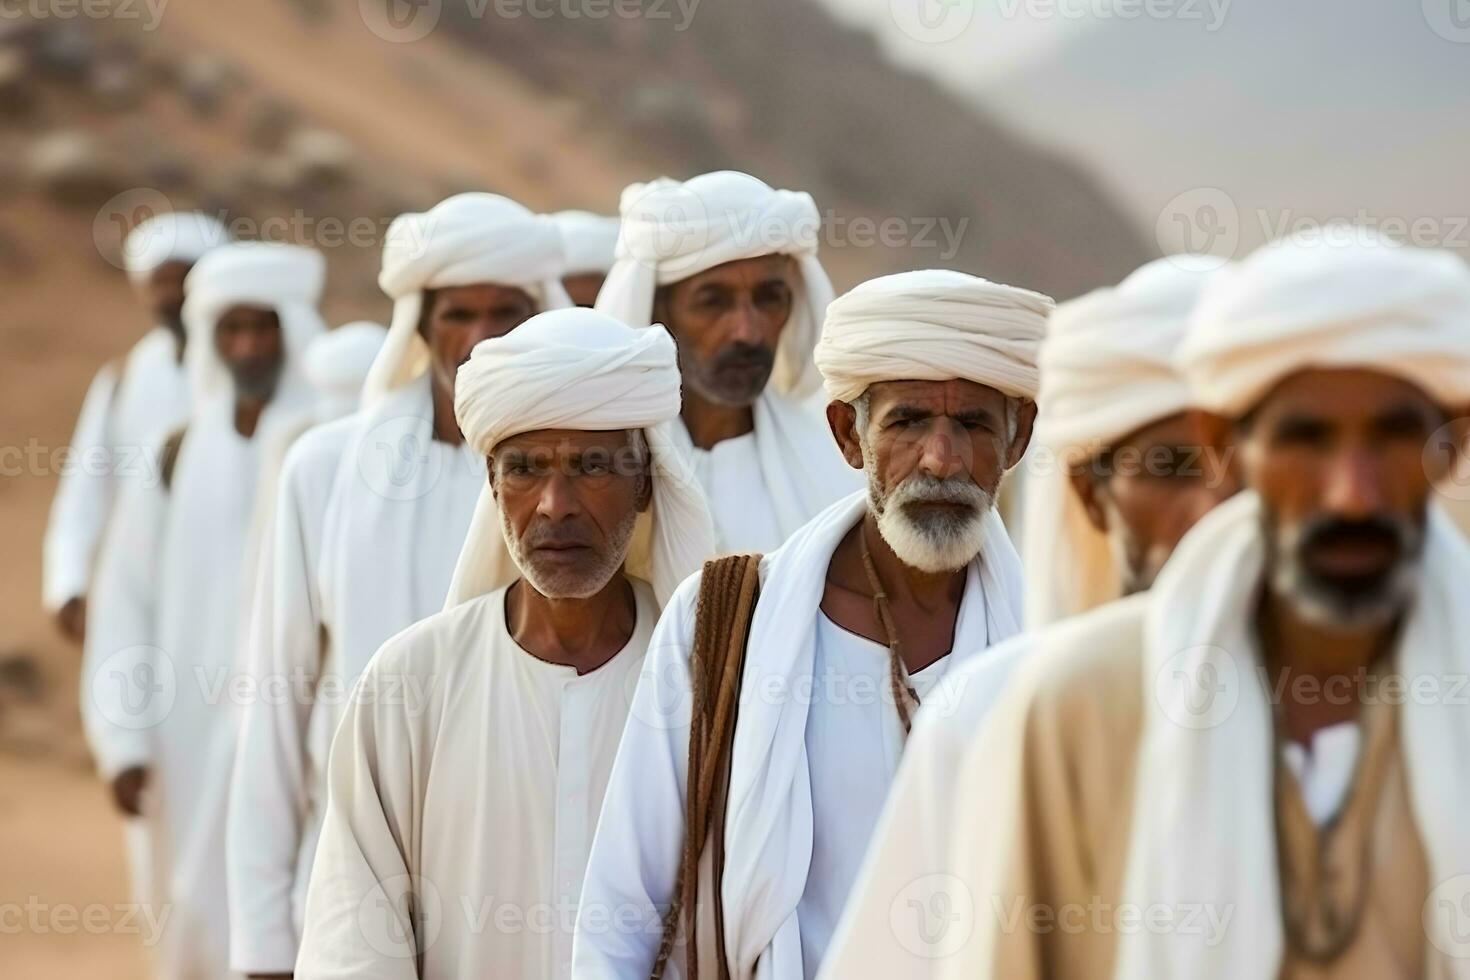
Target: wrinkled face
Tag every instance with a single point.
(568, 503)
(1149, 488)
(727, 322)
(583, 287)
(163, 292)
(249, 341)
(1339, 459)
(456, 318)
(934, 453)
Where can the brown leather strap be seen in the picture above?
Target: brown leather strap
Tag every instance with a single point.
(728, 591)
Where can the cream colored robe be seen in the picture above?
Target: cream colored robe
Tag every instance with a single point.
(464, 786)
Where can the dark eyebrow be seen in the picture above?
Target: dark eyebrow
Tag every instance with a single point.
(1401, 416)
(902, 412)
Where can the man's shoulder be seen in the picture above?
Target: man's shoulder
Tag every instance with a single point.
(440, 640)
(318, 449)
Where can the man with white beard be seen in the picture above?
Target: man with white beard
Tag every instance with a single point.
(590, 241)
(468, 771)
(167, 630)
(861, 616)
(1120, 478)
(1254, 769)
(127, 411)
(371, 514)
(730, 266)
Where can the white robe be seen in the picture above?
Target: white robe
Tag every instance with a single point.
(782, 737)
(466, 781)
(275, 805)
(765, 485)
(124, 419)
(159, 667)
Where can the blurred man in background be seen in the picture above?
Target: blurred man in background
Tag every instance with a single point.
(730, 266)
(164, 642)
(372, 513)
(127, 411)
(1226, 777)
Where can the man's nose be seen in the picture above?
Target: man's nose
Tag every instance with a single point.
(945, 451)
(1354, 487)
(558, 499)
(746, 324)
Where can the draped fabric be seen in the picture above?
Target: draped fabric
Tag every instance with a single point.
(176, 236)
(1106, 372)
(1310, 302)
(672, 230)
(580, 369)
(590, 240)
(461, 241)
(932, 325)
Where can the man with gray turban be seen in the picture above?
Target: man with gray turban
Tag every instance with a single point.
(481, 796)
(1255, 769)
(168, 626)
(127, 411)
(371, 514)
(729, 265)
(861, 615)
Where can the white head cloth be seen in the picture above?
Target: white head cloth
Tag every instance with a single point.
(672, 230)
(285, 278)
(338, 361)
(589, 240)
(580, 369)
(461, 241)
(933, 325)
(1340, 299)
(1106, 372)
(178, 236)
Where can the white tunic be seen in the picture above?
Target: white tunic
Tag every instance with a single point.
(854, 739)
(465, 784)
(739, 501)
(123, 422)
(274, 807)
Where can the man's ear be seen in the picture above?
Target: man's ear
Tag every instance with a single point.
(426, 311)
(1089, 493)
(1025, 422)
(660, 310)
(490, 475)
(842, 420)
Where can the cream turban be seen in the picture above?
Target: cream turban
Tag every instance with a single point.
(589, 240)
(461, 241)
(1106, 372)
(337, 363)
(177, 236)
(672, 230)
(1340, 299)
(285, 278)
(583, 370)
(932, 326)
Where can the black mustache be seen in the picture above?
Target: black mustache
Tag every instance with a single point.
(1378, 529)
(740, 355)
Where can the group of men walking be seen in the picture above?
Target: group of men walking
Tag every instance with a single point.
(682, 634)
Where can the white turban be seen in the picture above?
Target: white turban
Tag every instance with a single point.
(177, 236)
(461, 241)
(580, 369)
(285, 278)
(933, 325)
(672, 230)
(589, 240)
(1106, 372)
(1340, 299)
(337, 363)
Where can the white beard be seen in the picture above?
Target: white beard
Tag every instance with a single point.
(935, 543)
(561, 584)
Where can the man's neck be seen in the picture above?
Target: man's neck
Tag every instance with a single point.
(446, 426)
(1316, 674)
(247, 415)
(710, 424)
(580, 633)
(925, 605)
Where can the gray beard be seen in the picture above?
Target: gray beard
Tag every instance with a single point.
(932, 542)
(560, 584)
